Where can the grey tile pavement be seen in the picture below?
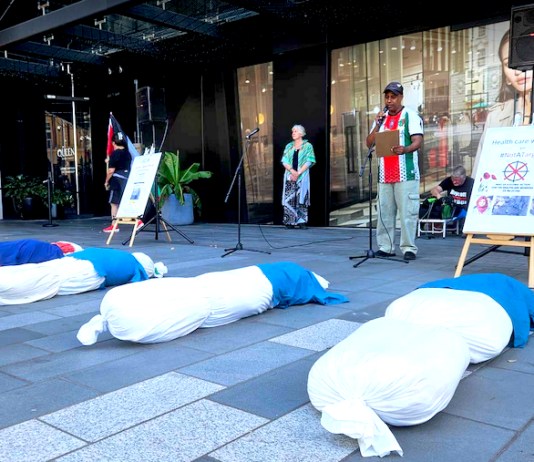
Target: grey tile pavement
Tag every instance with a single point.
(227, 338)
(446, 438)
(260, 358)
(9, 383)
(522, 449)
(302, 315)
(136, 368)
(320, 336)
(17, 335)
(121, 409)
(495, 396)
(270, 395)
(35, 441)
(10, 354)
(269, 387)
(60, 325)
(179, 436)
(63, 342)
(26, 319)
(297, 436)
(57, 364)
(31, 401)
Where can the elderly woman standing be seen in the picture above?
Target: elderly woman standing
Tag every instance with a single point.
(298, 158)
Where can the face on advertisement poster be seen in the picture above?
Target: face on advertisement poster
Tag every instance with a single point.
(503, 194)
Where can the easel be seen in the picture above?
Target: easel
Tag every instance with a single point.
(125, 221)
(497, 240)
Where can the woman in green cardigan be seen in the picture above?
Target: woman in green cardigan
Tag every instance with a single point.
(298, 158)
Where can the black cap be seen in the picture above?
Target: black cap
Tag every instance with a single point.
(395, 88)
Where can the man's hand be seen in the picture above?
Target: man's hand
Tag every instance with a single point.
(294, 176)
(398, 150)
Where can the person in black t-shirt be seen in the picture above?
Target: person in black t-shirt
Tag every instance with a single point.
(118, 172)
(458, 187)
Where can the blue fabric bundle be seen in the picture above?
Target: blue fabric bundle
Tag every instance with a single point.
(516, 298)
(117, 266)
(28, 251)
(294, 285)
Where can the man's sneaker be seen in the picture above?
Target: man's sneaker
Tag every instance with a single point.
(381, 253)
(409, 256)
(140, 223)
(110, 228)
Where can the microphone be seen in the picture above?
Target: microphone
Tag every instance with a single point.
(381, 120)
(252, 133)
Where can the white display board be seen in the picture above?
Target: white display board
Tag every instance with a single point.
(140, 181)
(502, 201)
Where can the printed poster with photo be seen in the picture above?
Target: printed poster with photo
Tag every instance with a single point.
(502, 201)
(140, 181)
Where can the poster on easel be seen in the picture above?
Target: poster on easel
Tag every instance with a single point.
(135, 196)
(502, 200)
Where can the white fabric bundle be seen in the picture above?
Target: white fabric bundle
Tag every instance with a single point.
(236, 294)
(480, 320)
(389, 370)
(164, 309)
(152, 269)
(75, 276)
(27, 283)
(157, 310)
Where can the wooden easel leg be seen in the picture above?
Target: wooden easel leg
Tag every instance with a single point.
(531, 264)
(167, 231)
(112, 232)
(134, 233)
(463, 256)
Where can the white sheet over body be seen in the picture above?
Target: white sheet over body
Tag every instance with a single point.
(389, 370)
(480, 320)
(75, 276)
(157, 310)
(236, 294)
(27, 283)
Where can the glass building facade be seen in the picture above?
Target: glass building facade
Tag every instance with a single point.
(457, 80)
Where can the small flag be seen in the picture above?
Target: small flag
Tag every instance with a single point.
(114, 128)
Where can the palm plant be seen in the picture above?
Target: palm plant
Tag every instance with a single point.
(173, 180)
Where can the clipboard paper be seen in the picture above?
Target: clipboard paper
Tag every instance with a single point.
(385, 141)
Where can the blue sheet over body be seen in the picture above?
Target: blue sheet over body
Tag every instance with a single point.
(294, 285)
(117, 266)
(516, 298)
(28, 251)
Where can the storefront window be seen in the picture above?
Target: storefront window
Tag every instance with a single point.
(70, 166)
(454, 79)
(255, 85)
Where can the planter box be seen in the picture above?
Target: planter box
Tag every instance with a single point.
(176, 213)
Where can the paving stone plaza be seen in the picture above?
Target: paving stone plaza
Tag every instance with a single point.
(237, 393)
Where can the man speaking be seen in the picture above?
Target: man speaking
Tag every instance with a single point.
(398, 187)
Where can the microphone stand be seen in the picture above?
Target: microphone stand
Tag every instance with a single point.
(369, 254)
(237, 174)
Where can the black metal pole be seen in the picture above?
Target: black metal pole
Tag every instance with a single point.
(49, 187)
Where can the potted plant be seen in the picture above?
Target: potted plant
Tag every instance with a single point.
(60, 200)
(24, 191)
(178, 199)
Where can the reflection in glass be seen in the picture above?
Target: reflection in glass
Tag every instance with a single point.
(255, 86)
(61, 153)
(458, 82)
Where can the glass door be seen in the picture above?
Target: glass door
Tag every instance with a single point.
(69, 152)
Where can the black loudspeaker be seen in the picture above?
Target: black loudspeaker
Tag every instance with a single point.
(151, 105)
(522, 38)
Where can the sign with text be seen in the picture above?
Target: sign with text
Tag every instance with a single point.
(502, 201)
(140, 181)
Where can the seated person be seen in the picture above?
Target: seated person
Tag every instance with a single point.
(458, 187)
